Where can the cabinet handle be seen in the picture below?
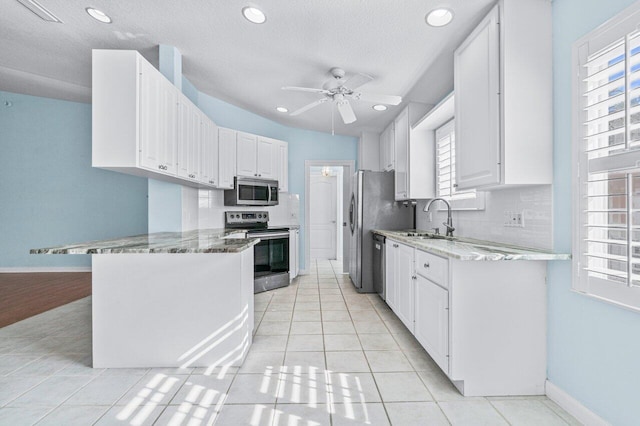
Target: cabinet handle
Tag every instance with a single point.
(395, 245)
(255, 174)
(192, 176)
(259, 175)
(426, 265)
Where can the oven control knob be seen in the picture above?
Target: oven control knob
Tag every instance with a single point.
(259, 216)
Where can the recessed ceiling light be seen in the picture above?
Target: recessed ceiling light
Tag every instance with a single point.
(253, 14)
(98, 15)
(379, 107)
(439, 17)
(281, 109)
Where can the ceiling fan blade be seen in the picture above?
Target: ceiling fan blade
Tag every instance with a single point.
(378, 99)
(357, 80)
(346, 112)
(304, 89)
(309, 106)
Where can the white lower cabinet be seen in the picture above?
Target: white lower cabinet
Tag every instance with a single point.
(391, 293)
(432, 320)
(482, 322)
(400, 281)
(294, 263)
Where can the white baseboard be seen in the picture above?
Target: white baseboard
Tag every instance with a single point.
(573, 406)
(22, 270)
(303, 272)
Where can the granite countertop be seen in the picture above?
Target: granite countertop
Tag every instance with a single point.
(469, 249)
(196, 241)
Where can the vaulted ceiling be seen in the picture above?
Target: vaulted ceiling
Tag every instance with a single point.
(242, 63)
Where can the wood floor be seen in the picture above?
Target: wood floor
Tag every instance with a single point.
(26, 295)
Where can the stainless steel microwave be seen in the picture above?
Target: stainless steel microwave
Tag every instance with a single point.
(252, 192)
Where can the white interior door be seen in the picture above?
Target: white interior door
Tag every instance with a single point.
(323, 216)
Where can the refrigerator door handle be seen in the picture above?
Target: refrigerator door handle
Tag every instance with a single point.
(352, 208)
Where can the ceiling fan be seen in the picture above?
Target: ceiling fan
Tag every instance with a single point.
(339, 90)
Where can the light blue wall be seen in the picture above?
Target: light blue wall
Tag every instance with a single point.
(49, 193)
(303, 145)
(593, 347)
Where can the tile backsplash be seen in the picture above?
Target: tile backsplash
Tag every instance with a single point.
(534, 202)
(211, 209)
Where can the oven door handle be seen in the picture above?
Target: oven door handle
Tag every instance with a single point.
(269, 235)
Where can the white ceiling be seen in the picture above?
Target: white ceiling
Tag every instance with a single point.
(245, 64)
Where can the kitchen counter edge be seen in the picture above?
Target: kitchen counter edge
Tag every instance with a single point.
(196, 241)
(469, 249)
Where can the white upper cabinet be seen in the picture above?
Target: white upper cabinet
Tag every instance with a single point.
(158, 118)
(413, 157)
(247, 145)
(503, 107)
(227, 157)
(266, 155)
(264, 158)
(141, 123)
(144, 126)
(189, 140)
(401, 150)
(210, 153)
(387, 154)
(282, 165)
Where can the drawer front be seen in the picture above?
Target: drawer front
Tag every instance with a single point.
(433, 267)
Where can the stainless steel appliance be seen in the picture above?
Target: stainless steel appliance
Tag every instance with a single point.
(252, 192)
(379, 259)
(373, 206)
(270, 255)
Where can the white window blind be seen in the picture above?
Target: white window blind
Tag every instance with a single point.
(608, 226)
(446, 167)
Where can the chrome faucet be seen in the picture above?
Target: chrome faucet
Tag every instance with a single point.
(449, 222)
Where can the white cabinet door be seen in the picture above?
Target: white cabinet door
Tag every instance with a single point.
(282, 165)
(158, 116)
(189, 140)
(477, 106)
(210, 151)
(404, 281)
(246, 154)
(266, 153)
(386, 149)
(293, 253)
(391, 253)
(401, 150)
(227, 157)
(432, 320)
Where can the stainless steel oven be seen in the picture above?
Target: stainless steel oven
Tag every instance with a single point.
(270, 255)
(252, 192)
(270, 259)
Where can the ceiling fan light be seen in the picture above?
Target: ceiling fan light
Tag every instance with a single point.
(439, 17)
(98, 15)
(253, 14)
(379, 107)
(281, 109)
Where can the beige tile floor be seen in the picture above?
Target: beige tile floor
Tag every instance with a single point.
(322, 355)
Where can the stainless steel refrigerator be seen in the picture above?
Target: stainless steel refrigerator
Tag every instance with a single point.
(373, 206)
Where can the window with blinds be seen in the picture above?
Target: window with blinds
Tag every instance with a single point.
(446, 168)
(607, 256)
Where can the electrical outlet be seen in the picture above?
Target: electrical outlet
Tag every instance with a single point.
(513, 219)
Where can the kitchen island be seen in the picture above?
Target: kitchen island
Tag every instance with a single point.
(182, 299)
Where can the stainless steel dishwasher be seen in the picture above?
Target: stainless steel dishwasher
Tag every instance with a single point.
(378, 264)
